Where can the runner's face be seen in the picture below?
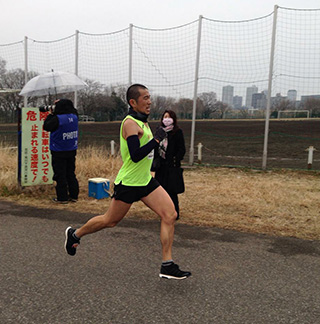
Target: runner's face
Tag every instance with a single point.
(144, 102)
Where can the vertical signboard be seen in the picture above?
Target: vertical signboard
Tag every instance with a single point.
(35, 149)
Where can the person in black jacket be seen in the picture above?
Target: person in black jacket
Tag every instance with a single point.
(62, 123)
(167, 159)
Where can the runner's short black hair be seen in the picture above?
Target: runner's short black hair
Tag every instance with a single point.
(133, 92)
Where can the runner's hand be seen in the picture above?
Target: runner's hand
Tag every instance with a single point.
(160, 134)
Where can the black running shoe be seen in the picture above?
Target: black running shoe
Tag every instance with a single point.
(71, 243)
(173, 272)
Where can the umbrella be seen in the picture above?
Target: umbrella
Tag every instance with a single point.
(5, 91)
(52, 83)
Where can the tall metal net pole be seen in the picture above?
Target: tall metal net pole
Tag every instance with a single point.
(130, 53)
(266, 130)
(25, 103)
(195, 94)
(76, 65)
(25, 99)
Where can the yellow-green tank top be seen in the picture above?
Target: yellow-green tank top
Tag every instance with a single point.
(131, 173)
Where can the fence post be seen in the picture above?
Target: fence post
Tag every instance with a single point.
(112, 147)
(200, 153)
(310, 150)
(195, 94)
(76, 65)
(266, 129)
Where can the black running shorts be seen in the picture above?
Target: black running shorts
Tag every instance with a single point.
(130, 194)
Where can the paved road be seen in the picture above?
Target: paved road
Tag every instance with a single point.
(237, 278)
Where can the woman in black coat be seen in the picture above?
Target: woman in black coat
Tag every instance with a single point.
(167, 159)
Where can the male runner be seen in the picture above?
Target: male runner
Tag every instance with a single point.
(134, 182)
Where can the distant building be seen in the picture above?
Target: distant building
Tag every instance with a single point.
(250, 92)
(292, 95)
(237, 102)
(305, 98)
(259, 100)
(277, 99)
(227, 95)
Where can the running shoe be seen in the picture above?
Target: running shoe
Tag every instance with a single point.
(71, 243)
(173, 272)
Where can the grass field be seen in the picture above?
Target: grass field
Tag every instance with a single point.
(282, 202)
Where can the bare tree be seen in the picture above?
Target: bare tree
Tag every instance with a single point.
(283, 104)
(101, 102)
(160, 104)
(118, 108)
(184, 108)
(243, 113)
(121, 92)
(220, 109)
(90, 98)
(313, 105)
(10, 102)
(2, 72)
(208, 100)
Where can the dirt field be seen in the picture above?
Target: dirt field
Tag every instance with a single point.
(225, 142)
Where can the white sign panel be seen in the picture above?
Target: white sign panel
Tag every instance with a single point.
(36, 166)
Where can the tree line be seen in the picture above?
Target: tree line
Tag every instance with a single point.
(105, 103)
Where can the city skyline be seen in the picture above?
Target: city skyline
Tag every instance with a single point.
(259, 99)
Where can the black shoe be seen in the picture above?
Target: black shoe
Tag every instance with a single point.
(73, 200)
(60, 201)
(71, 243)
(173, 272)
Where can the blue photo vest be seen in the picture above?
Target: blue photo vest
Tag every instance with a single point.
(65, 138)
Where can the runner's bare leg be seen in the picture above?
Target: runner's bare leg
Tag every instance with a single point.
(115, 213)
(160, 202)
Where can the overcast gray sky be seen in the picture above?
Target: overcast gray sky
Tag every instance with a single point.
(44, 20)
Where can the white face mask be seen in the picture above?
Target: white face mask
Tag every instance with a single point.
(167, 121)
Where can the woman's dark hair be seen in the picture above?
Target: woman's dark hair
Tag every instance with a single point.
(173, 115)
(133, 92)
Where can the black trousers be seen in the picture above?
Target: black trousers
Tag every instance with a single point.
(175, 200)
(67, 185)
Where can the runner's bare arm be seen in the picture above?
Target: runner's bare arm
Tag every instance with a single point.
(130, 128)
